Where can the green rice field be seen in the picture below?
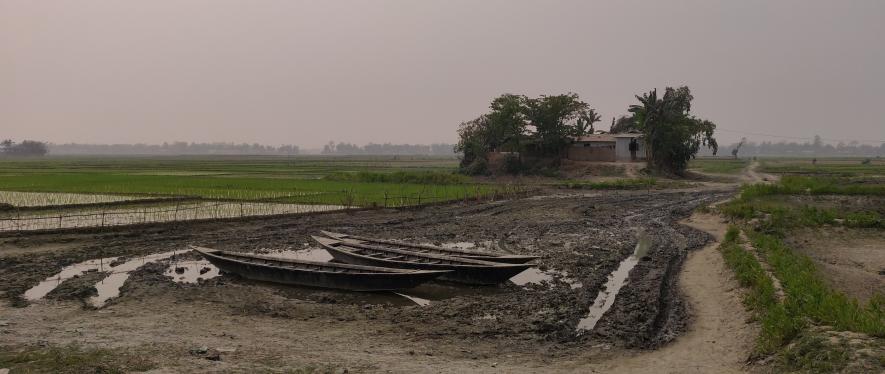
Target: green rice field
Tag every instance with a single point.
(351, 181)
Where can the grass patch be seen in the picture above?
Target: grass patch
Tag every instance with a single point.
(718, 166)
(844, 167)
(365, 180)
(777, 326)
(413, 177)
(799, 185)
(813, 353)
(71, 359)
(808, 296)
(617, 184)
(808, 299)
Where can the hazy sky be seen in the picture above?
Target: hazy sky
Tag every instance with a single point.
(306, 72)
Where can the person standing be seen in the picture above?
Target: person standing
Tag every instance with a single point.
(634, 146)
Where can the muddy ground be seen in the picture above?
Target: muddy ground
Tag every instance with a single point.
(269, 327)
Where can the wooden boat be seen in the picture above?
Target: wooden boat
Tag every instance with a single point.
(432, 249)
(463, 270)
(316, 274)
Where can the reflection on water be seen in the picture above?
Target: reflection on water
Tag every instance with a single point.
(45, 287)
(109, 287)
(616, 280)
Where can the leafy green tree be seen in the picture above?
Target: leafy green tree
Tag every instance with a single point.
(558, 119)
(474, 143)
(673, 136)
(507, 122)
(548, 123)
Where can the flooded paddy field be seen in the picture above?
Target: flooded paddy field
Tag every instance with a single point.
(146, 214)
(626, 246)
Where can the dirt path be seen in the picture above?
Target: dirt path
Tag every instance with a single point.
(718, 339)
(751, 175)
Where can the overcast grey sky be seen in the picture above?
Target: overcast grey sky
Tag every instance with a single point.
(306, 72)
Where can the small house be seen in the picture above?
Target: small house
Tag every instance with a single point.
(607, 148)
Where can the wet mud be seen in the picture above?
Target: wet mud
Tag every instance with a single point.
(581, 240)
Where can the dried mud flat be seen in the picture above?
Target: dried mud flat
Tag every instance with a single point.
(267, 327)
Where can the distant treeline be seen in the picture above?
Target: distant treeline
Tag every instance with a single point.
(440, 149)
(806, 149)
(174, 148)
(10, 148)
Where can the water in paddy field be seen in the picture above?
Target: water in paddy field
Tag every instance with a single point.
(109, 287)
(616, 280)
(121, 216)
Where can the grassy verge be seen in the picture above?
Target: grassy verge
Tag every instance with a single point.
(414, 177)
(800, 185)
(809, 301)
(845, 167)
(718, 166)
(777, 325)
(624, 184)
(71, 359)
(617, 184)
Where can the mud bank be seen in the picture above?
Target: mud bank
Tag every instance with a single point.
(585, 236)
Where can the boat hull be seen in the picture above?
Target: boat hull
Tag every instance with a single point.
(363, 281)
(462, 253)
(470, 274)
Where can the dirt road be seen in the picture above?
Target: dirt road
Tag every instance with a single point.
(718, 339)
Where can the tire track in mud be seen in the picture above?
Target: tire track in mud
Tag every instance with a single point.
(719, 339)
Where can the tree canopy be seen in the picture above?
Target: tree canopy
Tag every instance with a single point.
(673, 136)
(25, 148)
(547, 123)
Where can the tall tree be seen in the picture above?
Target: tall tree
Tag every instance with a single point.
(737, 148)
(623, 124)
(672, 135)
(557, 119)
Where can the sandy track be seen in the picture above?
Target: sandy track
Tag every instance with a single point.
(718, 339)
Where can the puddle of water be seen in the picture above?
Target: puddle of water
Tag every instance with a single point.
(616, 280)
(46, 286)
(191, 271)
(415, 299)
(531, 275)
(109, 287)
(536, 276)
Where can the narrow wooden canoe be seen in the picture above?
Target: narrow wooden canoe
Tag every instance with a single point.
(463, 270)
(316, 274)
(432, 249)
